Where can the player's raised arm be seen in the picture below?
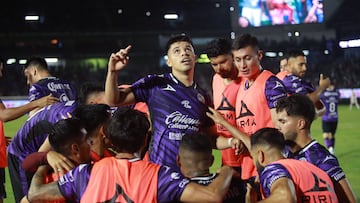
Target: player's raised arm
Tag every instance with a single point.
(114, 96)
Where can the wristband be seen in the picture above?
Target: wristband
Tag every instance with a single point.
(229, 141)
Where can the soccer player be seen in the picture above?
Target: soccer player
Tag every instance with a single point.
(353, 100)
(70, 139)
(225, 85)
(295, 115)
(330, 97)
(286, 180)
(42, 83)
(294, 82)
(94, 119)
(9, 114)
(283, 68)
(195, 159)
(91, 93)
(126, 177)
(176, 104)
(257, 95)
(30, 138)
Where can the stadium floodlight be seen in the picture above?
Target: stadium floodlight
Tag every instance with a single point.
(171, 16)
(32, 18)
(10, 61)
(349, 43)
(354, 43)
(270, 54)
(51, 60)
(22, 61)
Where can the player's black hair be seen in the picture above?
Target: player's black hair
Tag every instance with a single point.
(297, 105)
(196, 142)
(271, 137)
(218, 47)
(128, 130)
(39, 62)
(88, 88)
(66, 132)
(178, 38)
(92, 116)
(245, 40)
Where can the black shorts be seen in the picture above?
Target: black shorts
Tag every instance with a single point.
(329, 127)
(2, 184)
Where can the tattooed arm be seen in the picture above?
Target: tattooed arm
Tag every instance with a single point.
(41, 191)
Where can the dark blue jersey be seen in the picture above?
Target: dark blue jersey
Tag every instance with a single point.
(294, 84)
(61, 89)
(330, 98)
(33, 133)
(318, 155)
(175, 110)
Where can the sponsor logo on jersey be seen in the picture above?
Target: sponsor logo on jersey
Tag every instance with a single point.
(169, 88)
(179, 121)
(54, 87)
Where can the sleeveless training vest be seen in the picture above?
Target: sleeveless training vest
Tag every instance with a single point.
(312, 186)
(121, 180)
(224, 97)
(252, 113)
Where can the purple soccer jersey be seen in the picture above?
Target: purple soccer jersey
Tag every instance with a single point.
(174, 110)
(274, 90)
(330, 98)
(61, 89)
(294, 84)
(171, 183)
(270, 174)
(29, 139)
(318, 155)
(33, 133)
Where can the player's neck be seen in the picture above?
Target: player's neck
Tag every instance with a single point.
(197, 173)
(303, 139)
(185, 78)
(122, 155)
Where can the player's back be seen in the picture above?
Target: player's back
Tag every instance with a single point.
(311, 183)
(62, 89)
(34, 131)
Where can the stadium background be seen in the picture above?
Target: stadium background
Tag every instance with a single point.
(82, 34)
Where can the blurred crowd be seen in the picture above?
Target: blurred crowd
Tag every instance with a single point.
(339, 65)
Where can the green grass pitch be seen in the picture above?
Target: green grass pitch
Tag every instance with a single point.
(347, 147)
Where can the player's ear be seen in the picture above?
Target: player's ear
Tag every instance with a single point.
(301, 123)
(260, 54)
(168, 62)
(178, 161)
(261, 157)
(75, 149)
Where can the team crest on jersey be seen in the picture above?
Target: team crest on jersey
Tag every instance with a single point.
(201, 98)
(64, 98)
(186, 104)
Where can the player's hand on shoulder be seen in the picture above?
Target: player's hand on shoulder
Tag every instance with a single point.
(47, 100)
